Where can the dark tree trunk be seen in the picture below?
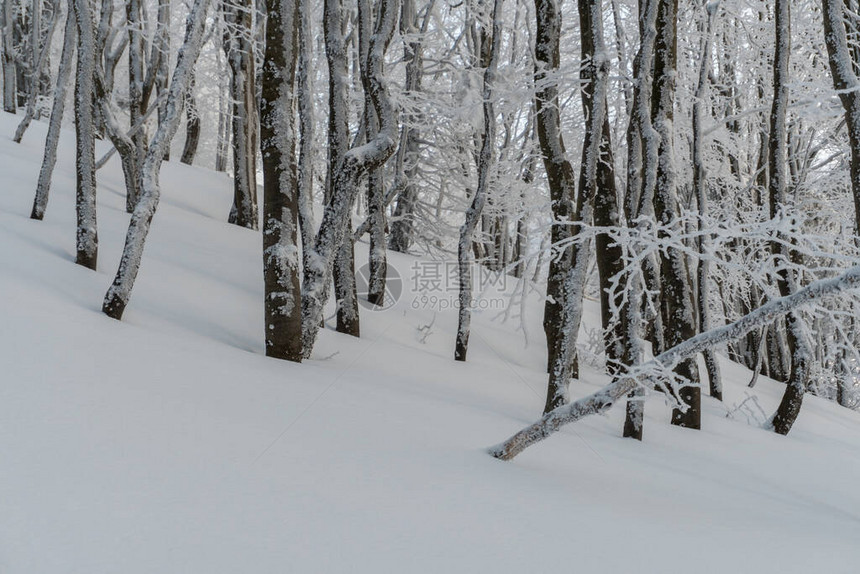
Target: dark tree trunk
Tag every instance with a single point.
(192, 126)
(679, 322)
(490, 46)
(799, 349)
(239, 16)
(85, 196)
(280, 184)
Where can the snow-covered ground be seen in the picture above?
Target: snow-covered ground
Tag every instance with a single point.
(168, 443)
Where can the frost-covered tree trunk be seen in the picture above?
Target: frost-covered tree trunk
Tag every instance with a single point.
(136, 106)
(7, 47)
(338, 144)
(280, 183)
(843, 66)
(700, 183)
(572, 289)
(560, 176)
(642, 150)
(64, 74)
(162, 70)
(238, 42)
(345, 181)
(119, 293)
(122, 142)
(377, 261)
(87, 243)
(192, 124)
(679, 322)
(403, 221)
(491, 39)
(598, 179)
(306, 120)
(798, 345)
(646, 373)
(40, 56)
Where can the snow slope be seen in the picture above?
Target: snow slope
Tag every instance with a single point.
(168, 443)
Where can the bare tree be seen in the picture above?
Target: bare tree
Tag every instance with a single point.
(798, 345)
(345, 182)
(41, 51)
(64, 74)
(119, 293)
(490, 42)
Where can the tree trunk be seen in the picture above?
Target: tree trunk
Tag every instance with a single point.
(646, 373)
(338, 138)
(377, 261)
(700, 178)
(192, 125)
(306, 119)
(642, 153)
(621, 336)
(10, 80)
(119, 293)
(280, 184)
(403, 224)
(238, 14)
(799, 348)
(676, 292)
(85, 195)
(41, 53)
(136, 105)
(43, 187)
(490, 48)
(355, 162)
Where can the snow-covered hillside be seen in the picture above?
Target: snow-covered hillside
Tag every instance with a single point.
(168, 443)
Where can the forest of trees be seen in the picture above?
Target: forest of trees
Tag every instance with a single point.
(694, 166)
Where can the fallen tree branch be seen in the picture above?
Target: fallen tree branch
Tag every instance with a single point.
(606, 397)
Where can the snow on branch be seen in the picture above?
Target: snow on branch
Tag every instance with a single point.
(646, 373)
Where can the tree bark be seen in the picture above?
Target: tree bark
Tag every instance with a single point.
(799, 348)
(238, 14)
(64, 74)
(10, 80)
(606, 397)
(119, 293)
(700, 178)
(87, 242)
(345, 181)
(676, 292)
(280, 184)
(490, 42)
